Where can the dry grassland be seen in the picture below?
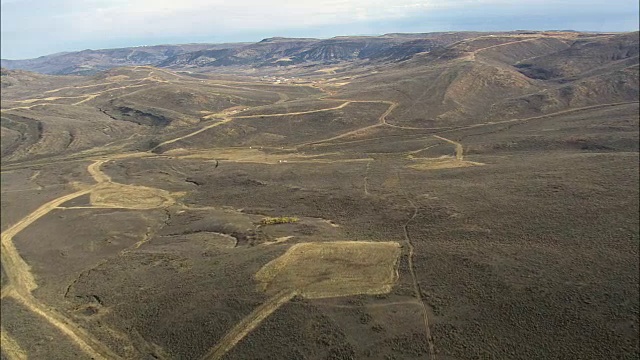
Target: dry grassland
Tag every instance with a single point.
(444, 162)
(343, 268)
(130, 197)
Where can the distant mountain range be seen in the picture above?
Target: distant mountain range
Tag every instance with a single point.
(268, 52)
(88, 61)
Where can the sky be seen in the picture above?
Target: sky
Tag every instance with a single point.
(32, 28)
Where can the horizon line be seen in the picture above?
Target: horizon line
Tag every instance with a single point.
(319, 38)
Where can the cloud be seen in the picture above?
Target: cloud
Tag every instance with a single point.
(197, 16)
(121, 17)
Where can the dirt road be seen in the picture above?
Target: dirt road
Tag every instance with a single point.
(17, 270)
(459, 148)
(21, 281)
(218, 123)
(414, 279)
(294, 113)
(562, 112)
(246, 325)
(381, 121)
(96, 173)
(10, 347)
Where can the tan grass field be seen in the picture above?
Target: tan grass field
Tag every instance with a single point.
(130, 197)
(342, 268)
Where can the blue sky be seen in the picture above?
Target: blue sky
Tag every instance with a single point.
(31, 28)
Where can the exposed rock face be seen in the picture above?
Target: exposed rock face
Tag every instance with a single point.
(268, 52)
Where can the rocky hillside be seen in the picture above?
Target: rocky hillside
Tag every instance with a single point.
(88, 61)
(268, 52)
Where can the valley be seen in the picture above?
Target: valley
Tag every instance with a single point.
(474, 199)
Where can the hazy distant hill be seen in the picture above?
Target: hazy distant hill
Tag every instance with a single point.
(275, 51)
(92, 61)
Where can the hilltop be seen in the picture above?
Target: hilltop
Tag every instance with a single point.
(277, 51)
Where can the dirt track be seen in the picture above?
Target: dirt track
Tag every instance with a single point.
(459, 148)
(414, 279)
(295, 113)
(217, 123)
(11, 348)
(247, 324)
(18, 272)
(381, 121)
(86, 97)
(562, 112)
(96, 173)
(21, 281)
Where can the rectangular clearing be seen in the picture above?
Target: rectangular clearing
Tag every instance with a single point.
(331, 269)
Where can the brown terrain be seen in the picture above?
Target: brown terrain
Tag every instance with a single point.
(442, 196)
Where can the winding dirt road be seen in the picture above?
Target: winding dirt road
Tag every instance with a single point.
(21, 282)
(382, 121)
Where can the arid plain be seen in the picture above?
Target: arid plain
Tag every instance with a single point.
(475, 201)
